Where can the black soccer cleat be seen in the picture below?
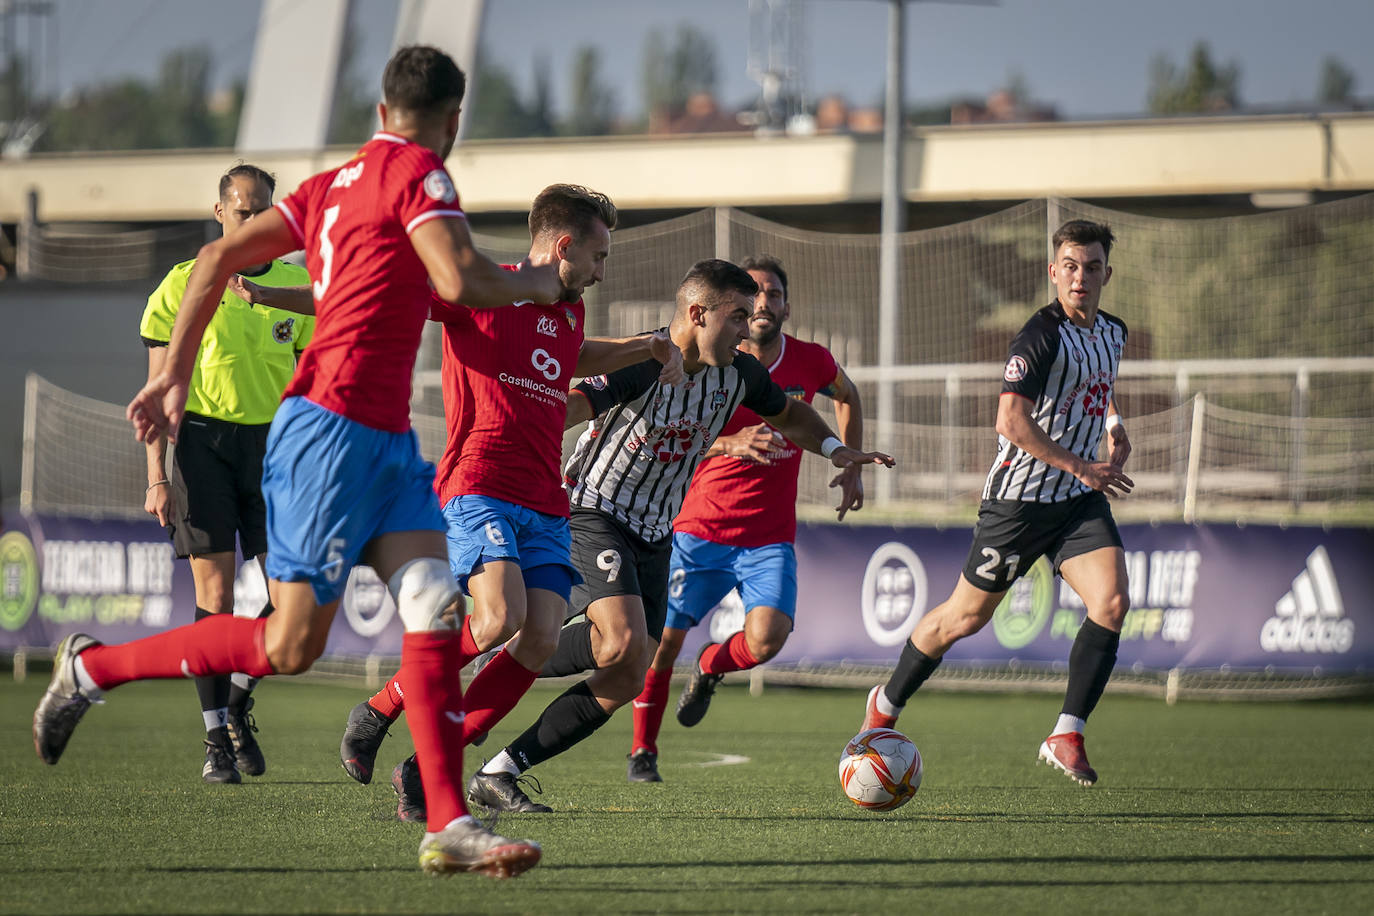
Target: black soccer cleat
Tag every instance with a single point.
(696, 696)
(362, 738)
(247, 753)
(502, 792)
(410, 791)
(643, 767)
(219, 760)
(63, 704)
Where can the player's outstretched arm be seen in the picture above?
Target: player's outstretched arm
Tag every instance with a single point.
(1015, 424)
(462, 275)
(850, 417)
(296, 299)
(800, 423)
(1118, 443)
(603, 355)
(755, 444)
(158, 407)
(579, 409)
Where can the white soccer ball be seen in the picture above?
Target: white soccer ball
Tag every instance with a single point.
(880, 769)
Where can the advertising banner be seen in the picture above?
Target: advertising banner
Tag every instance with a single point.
(119, 580)
(1201, 596)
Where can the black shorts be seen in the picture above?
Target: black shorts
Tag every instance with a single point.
(216, 479)
(613, 561)
(1011, 535)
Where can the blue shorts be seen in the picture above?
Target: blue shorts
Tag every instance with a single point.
(332, 486)
(703, 572)
(482, 528)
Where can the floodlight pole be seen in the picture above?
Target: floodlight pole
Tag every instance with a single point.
(892, 225)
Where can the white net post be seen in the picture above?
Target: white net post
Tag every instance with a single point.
(1194, 459)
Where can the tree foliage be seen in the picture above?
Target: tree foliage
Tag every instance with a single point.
(171, 113)
(673, 74)
(1337, 85)
(499, 111)
(1203, 86)
(592, 110)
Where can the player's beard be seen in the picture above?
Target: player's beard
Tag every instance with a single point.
(763, 337)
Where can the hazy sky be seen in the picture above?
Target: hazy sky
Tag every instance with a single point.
(1087, 58)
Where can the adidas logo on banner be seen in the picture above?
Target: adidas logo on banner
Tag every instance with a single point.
(1311, 616)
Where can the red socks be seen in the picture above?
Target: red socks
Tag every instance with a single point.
(434, 712)
(494, 693)
(731, 655)
(218, 644)
(390, 700)
(649, 707)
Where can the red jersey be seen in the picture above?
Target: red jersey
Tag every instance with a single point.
(506, 374)
(371, 289)
(742, 504)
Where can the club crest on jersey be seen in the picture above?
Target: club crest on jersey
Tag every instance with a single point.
(670, 443)
(1016, 369)
(572, 319)
(795, 391)
(718, 398)
(597, 381)
(439, 187)
(281, 331)
(547, 326)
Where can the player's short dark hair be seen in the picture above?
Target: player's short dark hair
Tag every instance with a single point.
(1084, 232)
(713, 279)
(244, 170)
(422, 80)
(571, 209)
(770, 264)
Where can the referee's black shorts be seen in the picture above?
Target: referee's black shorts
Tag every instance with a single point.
(216, 479)
(614, 561)
(1011, 535)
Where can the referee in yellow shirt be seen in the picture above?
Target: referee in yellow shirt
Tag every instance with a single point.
(211, 490)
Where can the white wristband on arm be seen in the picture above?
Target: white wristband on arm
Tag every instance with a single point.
(1113, 421)
(829, 446)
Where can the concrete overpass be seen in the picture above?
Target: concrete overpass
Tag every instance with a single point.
(1281, 159)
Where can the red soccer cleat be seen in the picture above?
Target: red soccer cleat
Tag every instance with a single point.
(1065, 753)
(872, 717)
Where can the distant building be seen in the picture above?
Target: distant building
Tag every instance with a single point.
(1002, 107)
(702, 115)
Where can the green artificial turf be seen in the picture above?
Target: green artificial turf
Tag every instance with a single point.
(1201, 808)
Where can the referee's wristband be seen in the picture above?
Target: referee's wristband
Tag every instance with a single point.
(829, 445)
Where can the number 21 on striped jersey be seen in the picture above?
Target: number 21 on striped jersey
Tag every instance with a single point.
(331, 216)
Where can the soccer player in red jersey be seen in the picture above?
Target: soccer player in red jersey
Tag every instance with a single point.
(738, 522)
(506, 374)
(343, 478)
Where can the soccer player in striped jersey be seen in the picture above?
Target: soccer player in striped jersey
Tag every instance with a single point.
(1046, 495)
(209, 496)
(343, 477)
(626, 479)
(738, 522)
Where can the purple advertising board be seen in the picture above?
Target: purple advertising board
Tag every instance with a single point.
(119, 580)
(1202, 596)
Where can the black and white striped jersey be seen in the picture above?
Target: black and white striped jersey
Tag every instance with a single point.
(1067, 372)
(637, 457)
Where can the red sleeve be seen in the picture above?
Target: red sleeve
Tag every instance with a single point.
(294, 206)
(446, 312)
(424, 191)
